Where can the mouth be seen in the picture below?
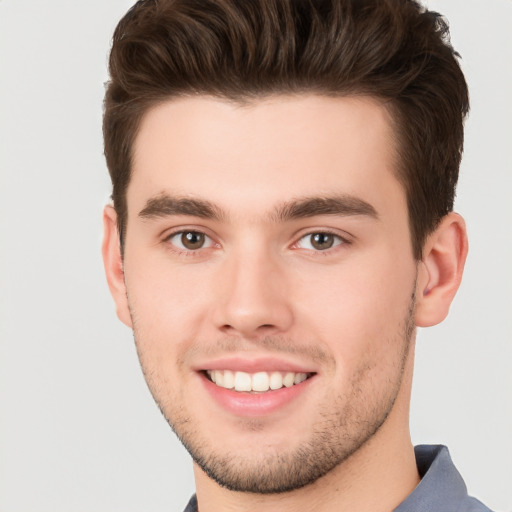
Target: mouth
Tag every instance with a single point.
(258, 387)
(258, 382)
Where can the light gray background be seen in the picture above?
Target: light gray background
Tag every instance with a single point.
(78, 429)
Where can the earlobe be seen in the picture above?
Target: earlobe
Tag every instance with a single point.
(113, 262)
(440, 271)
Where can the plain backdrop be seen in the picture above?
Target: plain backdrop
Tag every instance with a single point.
(79, 431)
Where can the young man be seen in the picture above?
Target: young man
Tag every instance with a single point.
(283, 181)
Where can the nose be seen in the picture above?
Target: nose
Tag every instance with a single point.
(253, 299)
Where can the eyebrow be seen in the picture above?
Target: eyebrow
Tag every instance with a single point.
(342, 205)
(165, 205)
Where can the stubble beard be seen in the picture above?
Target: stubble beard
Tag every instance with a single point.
(344, 425)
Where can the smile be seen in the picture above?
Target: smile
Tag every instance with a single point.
(255, 382)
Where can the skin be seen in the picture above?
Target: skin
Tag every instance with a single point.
(258, 288)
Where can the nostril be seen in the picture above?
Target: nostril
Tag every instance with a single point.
(263, 327)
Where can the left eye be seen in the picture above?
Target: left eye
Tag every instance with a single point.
(190, 240)
(319, 241)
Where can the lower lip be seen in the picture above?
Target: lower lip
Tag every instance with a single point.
(255, 404)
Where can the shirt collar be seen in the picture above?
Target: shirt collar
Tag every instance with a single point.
(441, 486)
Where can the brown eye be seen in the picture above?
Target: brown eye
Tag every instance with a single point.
(320, 241)
(190, 240)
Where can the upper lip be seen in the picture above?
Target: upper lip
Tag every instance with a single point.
(255, 364)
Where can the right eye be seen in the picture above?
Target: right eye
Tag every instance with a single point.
(190, 240)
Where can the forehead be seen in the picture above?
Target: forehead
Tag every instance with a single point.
(263, 152)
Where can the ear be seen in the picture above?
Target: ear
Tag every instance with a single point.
(113, 262)
(440, 271)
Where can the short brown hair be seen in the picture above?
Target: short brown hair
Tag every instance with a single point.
(240, 50)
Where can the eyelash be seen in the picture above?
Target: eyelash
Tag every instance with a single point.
(196, 252)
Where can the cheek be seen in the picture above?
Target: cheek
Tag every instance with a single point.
(360, 310)
(167, 307)
(163, 289)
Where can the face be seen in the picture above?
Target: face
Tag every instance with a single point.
(270, 282)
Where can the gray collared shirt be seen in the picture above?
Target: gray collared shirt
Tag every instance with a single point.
(441, 488)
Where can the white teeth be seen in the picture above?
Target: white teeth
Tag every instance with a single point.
(289, 380)
(219, 378)
(276, 380)
(242, 381)
(300, 377)
(229, 380)
(260, 381)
